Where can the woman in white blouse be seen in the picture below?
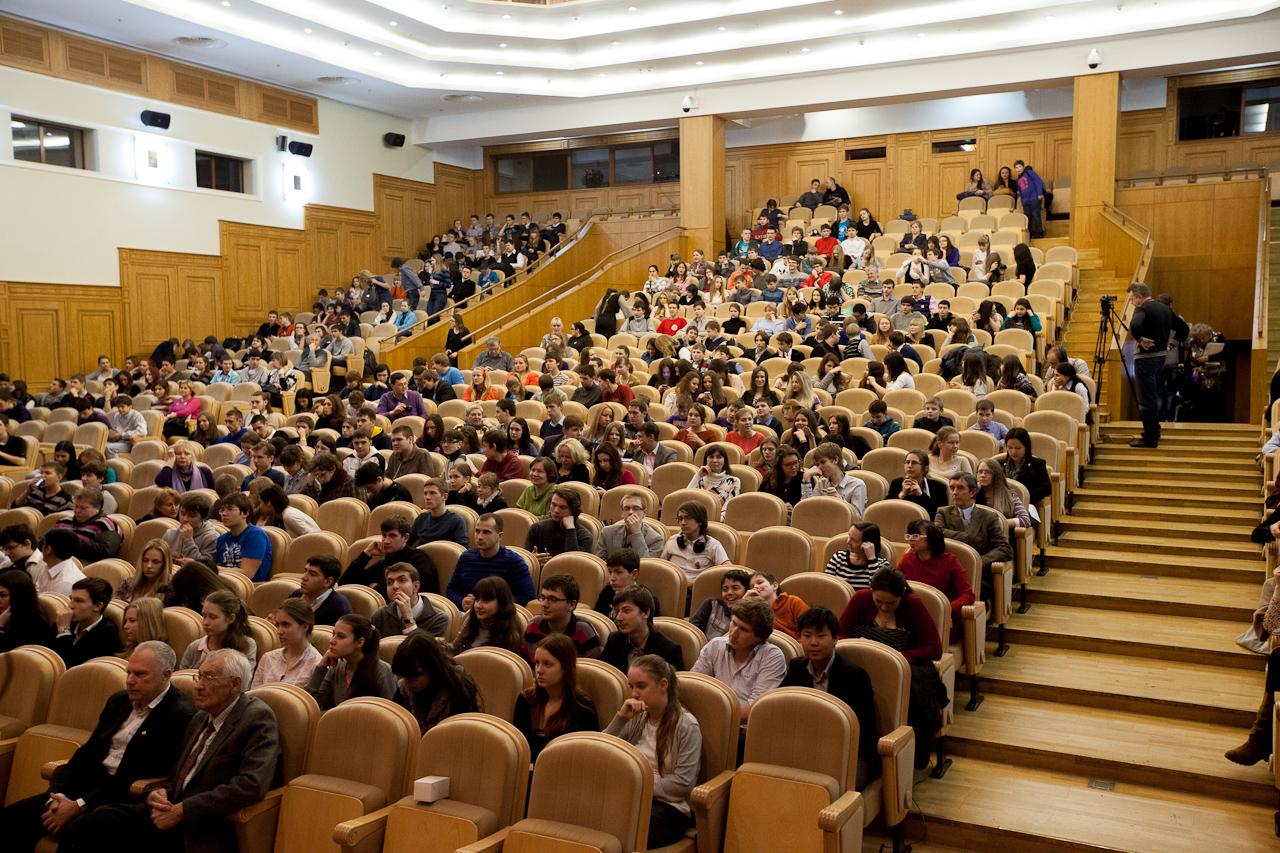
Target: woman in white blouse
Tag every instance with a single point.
(944, 454)
(296, 658)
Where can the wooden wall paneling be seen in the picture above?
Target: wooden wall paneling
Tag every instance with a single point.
(949, 173)
(57, 330)
(35, 327)
(263, 269)
(1096, 118)
(908, 184)
(1060, 155)
(1140, 142)
(865, 182)
(167, 294)
(341, 243)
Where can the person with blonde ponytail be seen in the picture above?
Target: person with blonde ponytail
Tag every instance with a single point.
(654, 721)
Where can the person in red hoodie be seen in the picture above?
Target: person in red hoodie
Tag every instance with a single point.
(787, 609)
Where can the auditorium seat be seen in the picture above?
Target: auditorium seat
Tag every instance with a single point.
(309, 545)
(364, 600)
(30, 674)
(604, 684)
(270, 594)
(500, 676)
(909, 438)
(297, 718)
(801, 749)
(360, 761)
(940, 609)
(754, 511)
(780, 551)
(818, 588)
(445, 555)
(407, 510)
(672, 502)
(587, 569)
(347, 517)
(892, 517)
(79, 695)
(610, 509)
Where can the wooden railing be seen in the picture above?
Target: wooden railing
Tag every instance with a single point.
(1131, 257)
(1191, 176)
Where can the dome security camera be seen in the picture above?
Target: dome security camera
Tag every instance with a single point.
(688, 103)
(1095, 58)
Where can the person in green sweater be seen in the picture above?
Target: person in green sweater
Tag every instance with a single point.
(537, 497)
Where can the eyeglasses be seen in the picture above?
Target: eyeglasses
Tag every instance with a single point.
(550, 599)
(912, 537)
(201, 676)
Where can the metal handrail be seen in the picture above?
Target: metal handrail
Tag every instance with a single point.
(1261, 170)
(583, 277)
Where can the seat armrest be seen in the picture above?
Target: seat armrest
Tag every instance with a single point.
(1002, 591)
(491, 844)
(256, 824)
(362, 833)
(51, 767)
(835, 817)
(710, 802)
(1023, 546)
(7, 749)
(897, 769)
(975, 637)
(141, 787)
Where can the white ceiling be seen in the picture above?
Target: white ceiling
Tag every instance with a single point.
(514, 55)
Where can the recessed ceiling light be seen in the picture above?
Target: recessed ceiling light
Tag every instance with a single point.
(395, 24)
(601, 75)
(921, 35)
(377, 53)
(225, 3)
(499, 73)
(307, 30)
(461, 98)
(502, 45)
(838, 12)
(199, 41)
(506, 17)
(721, 29)
(1048, 17)
(631, 8)
(338, 81)
(804, 50)
(616, 43)
(697, 63)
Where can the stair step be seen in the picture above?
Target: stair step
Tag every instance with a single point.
(986, 805)
(1145, 487)
(1209, 431)
(1098, 508)
(1203, 597)
(1122, 747)
(1220, 569)
(1061, 621)
(1202, 528)
(1209, 503)
(1157, 470)
(1155, 546)
(1160, 688)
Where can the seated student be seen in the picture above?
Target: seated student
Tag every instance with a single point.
(152, 575)
(24, 622)
(97, 536)
(490, 619)
(878, 419)
(827, 478)
(395, 548)
(328, 480)
(127, 426)
(634, 607)
(933, 419)
(489, 557)
(47, 495)
(294, 661)
(570, 429)
(243, 547)
(928, 561)
(432, 685)
(351, 667)
(890, 613)
(319, 576)
(786, 608)
(408, 610)
(714, 474)
(915, 485)
(56, 570)
(692, 549)
(84, 631)
(20, 548)
(985, 410)
(554, 705)
(629, 534)
(653, 720)
(856, 565)
(226, 626)
(559, 599)
(744, 660)
(437, 523)
(562, 531)
(822, 669)
(713, 616)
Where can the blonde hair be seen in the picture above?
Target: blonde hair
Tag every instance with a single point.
(575, 448)
(943, 433)
(998, 495)
(142, 588)
(150, 624)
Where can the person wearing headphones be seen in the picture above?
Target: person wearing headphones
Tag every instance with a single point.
(692, 550)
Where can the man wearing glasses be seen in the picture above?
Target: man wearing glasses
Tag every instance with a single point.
(227, 763)
(559, 598)
(630, 533)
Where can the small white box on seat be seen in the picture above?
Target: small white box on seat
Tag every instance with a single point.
(428, 789)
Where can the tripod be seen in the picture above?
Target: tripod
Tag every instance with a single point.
(1111, 322)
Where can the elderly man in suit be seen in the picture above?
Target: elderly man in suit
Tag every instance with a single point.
(631, 533)
(979, 527)
(228, 761)
(138, 736)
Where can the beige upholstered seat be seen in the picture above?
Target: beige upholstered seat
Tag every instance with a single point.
(347, 517)
(690, 639)
(885, 461)
(910, 439)
(802, 749)
(308, 545)
(970, 650)
(780, 551)
(707, 584)
(587, 569)
(269, 595)
(445, 555)
(823, 517)
(360, 761)
(610, 509)
(264, 635)
(387, 510)
(890, 675)
(500, 676)
(29, 674)
(892, 517)
(487, 763)
(516, 523)
(363, 599)
(184, 627)
(111, 570)
(574, 775)
(819, 588)
(672, 502)
(605, 684)
(142, 534)
(754, 511)
(671, 477)
(940, 609)
(297, 717)
(79, 695)
(667, 582)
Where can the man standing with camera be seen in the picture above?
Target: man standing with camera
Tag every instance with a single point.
(1150, 326)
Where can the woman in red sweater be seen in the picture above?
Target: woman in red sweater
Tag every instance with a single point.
(927, 561)
(891, 614)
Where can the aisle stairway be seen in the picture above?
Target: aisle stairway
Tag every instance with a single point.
(1124, 670)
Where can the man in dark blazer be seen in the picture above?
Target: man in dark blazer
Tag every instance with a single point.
(228, 761)
(647, 450)
(822, 669)
(319, 577)
(84, 630)
(977, 526)
(149, 716)
(636, 636)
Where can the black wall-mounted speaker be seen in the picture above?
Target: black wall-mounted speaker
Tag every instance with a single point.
(302, 149)
(150, 118)
(394, 140)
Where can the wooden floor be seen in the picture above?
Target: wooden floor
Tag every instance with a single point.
(1123, 670)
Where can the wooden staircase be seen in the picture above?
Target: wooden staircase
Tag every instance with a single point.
(1124, 672)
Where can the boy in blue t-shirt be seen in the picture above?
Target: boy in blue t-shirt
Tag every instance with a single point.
(243, 547)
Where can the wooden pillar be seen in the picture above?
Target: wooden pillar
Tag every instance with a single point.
(1094, 125)
(702, 182)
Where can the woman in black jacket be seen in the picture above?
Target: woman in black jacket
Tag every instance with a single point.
(915, 485)
(1028, 470)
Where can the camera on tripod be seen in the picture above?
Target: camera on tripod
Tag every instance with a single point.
(1108, 300)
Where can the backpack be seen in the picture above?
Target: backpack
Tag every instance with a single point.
(370, 363)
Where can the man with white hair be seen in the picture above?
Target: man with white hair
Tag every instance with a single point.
(138, 736)
(227, 763)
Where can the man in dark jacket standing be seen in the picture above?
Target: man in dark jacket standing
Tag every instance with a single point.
(1150, 326)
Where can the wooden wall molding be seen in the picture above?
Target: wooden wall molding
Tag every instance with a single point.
(68, 56)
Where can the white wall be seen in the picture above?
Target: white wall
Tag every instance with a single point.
(66, 225)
